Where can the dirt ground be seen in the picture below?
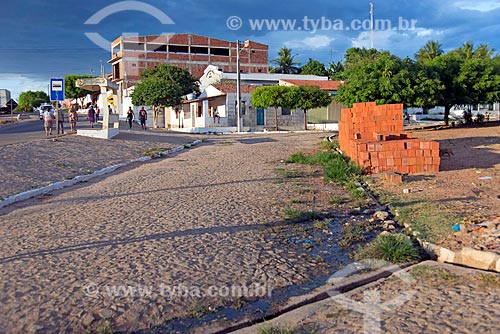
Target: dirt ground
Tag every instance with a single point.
(467, 185)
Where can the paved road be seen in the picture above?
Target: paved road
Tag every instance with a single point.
(25, 130)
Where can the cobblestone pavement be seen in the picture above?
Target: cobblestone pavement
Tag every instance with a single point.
(74, 259)
(439, 298)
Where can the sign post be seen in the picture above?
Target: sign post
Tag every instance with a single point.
(57, 94)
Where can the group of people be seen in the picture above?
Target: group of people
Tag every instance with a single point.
(92, 115)
(143, 116)
(49, 117)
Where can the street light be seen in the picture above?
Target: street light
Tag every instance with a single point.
(239, 124)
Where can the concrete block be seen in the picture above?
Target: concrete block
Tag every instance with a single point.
(478, 259)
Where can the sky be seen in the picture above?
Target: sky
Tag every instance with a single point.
(40, 40)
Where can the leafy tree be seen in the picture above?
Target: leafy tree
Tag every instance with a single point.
(375, 76)
(71, 91)
(467, 75)
(336, 71)
(273, 96)
(163, 86)
(285, 62)
(314, 67)
(429, 51)
(29, 100)
(309, 97)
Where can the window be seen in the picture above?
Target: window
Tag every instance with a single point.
(178, 48)
(200, 111)
(285, 111)
(219, 51)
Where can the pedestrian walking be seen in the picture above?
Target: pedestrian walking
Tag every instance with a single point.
(143, 116)
(110, 111)
(130, 117)
(60, 121)
(73, 118)
(97, 112)
(48, 118)
(91, 116)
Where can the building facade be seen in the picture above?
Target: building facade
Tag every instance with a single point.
(130, 55)
(4, 97)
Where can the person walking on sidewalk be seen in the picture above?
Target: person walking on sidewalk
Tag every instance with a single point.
(130, 117)
(91, 116)
(143, 116)
(48, 118)
(60, 121)
(73, 118)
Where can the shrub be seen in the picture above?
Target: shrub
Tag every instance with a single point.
(395, 248)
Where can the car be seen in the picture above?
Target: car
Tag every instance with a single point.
(43, 108)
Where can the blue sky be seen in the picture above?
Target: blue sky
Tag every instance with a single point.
(44, 39)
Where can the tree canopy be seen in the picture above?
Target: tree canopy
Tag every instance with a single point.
(273, 96)
(466, 75)
(29, 100)
(163, 86)
(310, 97)
(314, 67)
(73, 92)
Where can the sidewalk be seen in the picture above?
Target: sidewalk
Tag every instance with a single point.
(37, 163)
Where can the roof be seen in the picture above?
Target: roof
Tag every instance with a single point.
(231, 88)
(322, 84)
(271, 76)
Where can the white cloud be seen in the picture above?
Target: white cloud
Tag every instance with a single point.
(403, 43)
(314, 42)
(479, 5)
(18, 83)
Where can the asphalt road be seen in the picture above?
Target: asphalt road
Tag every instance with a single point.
(23, 131)
(31, 129)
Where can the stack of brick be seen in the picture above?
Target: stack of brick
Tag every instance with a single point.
(373, 137)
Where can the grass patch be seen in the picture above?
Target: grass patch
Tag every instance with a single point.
(394, 248)
(337, 168)
(60, 164)
(432, 220)
(289, 173)
(426, 273)
(298, 216)
(489, 280)
(275, 329)
(351, 234)
(320, 225)
(335, 200)
(154, 152)
(328, 145)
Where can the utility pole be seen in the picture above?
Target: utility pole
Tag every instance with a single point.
(238, 87)
(371, 25)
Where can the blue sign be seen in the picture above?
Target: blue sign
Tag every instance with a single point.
(56, 89)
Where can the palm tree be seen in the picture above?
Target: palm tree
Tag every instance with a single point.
(431, 50)
(285, 62)
(467, 52)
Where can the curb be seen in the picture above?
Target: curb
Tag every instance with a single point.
(468, 257)
(82, 178)
(322, 293)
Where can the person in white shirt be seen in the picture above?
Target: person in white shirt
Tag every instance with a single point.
(48, 118)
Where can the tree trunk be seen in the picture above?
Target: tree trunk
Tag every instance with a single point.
(155, 117)
(276, 118)
(447, 109)
(305, 119)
